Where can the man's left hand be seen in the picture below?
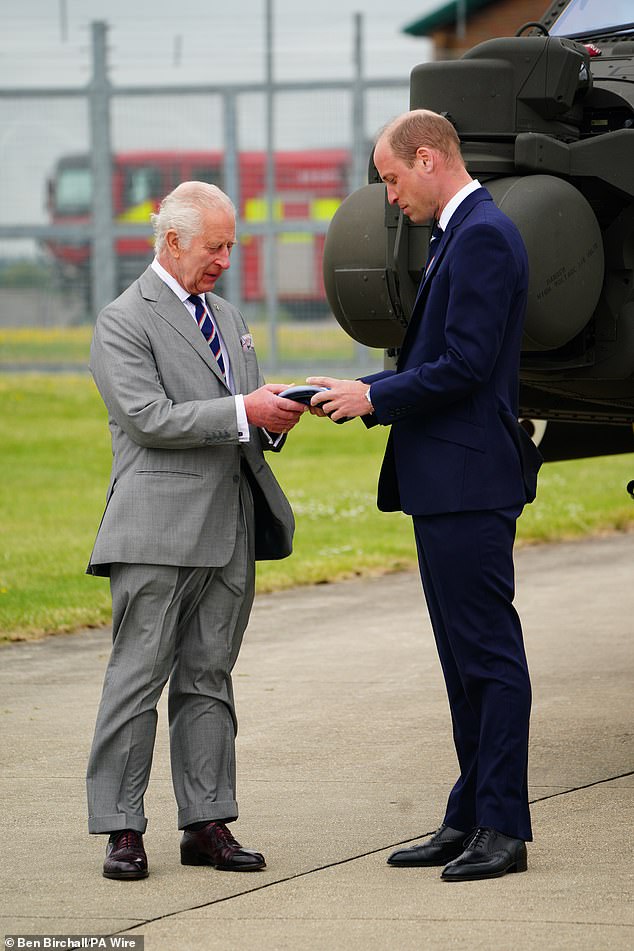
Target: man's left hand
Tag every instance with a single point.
(345, 399)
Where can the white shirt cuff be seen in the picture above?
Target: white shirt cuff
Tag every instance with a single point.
(243, 422)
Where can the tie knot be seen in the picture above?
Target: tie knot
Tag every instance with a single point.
(195, 300)
(436, 232)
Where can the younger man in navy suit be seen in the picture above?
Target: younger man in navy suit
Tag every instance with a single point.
(453, 463)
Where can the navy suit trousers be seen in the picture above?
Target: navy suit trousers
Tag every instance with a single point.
(466, 566)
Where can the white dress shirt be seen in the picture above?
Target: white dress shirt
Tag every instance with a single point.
(182, 294)
(453, 203)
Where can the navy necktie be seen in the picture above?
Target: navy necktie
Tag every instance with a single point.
(436, 235)
(208, 329)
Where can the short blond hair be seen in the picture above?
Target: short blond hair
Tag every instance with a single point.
(422, 127)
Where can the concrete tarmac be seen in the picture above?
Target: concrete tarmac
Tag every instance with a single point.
(345, 752)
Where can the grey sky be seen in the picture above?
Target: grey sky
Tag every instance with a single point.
(221, 43)
(187, 40)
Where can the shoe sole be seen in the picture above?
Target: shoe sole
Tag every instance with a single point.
(126, 876)
(418, 864)
(203, 860)
(477, 878)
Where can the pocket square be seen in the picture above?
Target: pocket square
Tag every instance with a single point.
(247, 342)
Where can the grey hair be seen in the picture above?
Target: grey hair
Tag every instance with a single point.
(182, 209)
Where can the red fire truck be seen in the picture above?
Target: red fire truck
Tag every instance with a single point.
(309, 185)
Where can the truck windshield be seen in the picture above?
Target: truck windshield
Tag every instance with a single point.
(142, 183)
(586, 18)
(73, 191)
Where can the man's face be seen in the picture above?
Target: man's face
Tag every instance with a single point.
(411, 188)
(198, 267)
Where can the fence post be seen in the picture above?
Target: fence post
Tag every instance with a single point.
(103, 265)
(231, 186)
(359, 161)
(270, 238)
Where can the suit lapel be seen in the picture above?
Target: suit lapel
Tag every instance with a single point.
(423, 291)
(461, 212)
(173, 311)
(431, 268)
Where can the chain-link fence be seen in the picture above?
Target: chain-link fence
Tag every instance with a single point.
(83, 168)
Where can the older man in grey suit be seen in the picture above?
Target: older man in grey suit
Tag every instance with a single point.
(191, 505)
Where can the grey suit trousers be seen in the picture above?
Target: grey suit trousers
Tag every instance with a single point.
(185, 624)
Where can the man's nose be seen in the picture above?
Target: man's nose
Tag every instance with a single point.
(391, 195)
(224, 259)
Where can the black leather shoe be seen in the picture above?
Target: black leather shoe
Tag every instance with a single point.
(214, 845)
(125, 856)
(488, 854)
(445, 844)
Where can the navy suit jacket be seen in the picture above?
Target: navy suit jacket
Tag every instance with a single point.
(452, 402)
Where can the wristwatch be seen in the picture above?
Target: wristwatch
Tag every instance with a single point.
(367, 396)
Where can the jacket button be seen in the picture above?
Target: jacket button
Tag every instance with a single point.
(236, 478)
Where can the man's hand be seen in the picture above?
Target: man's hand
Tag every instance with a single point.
(344, 399)
(266, 409)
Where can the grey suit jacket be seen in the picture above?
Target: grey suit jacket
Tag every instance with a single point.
(173, 497)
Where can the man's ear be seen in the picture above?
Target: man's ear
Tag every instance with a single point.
(424, 158)
(172, 243)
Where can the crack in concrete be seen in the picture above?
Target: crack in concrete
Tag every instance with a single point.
(352, 858)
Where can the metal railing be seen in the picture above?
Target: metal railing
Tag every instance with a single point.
(103, 230)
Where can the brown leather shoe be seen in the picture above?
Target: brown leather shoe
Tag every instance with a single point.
(125, 856)
(214, 845)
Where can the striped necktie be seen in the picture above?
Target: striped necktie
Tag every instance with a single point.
(208, 329)
(436, 235)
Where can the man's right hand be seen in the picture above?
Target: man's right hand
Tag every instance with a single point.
(266, 409)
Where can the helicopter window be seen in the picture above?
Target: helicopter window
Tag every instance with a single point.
(592, 17)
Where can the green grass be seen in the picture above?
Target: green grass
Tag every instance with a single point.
(580, 497)
(54, 437)
(54, 470)
(330, 474)
(320, 340)
(30, 345)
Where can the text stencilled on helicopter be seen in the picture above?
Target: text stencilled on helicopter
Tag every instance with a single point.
(566, 272)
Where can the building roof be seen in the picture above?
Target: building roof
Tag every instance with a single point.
(446, 15)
